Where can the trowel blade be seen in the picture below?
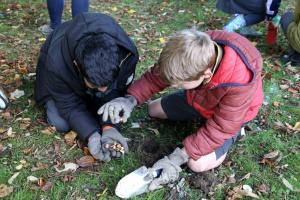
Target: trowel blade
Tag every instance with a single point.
(133, 184)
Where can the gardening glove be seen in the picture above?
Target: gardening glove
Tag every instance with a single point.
(110, 137)
(94, 145)
(3, 100)
(170, 166)
(272, 7)
(118, 109)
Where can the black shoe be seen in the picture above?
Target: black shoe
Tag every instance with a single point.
(295, 59)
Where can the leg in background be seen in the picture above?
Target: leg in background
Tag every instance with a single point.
(55, 9)
(79, 6)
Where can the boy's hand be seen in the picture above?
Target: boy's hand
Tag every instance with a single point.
(170, 166)
(94, 145)
(272, 7)
(3, 100)
(111, 136)
(118, 109)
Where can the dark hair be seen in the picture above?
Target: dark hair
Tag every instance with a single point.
(97, 56)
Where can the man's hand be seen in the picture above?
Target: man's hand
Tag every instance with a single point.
(118, 109)
(272, 7)
(170, 166)
(111, 136)
(94, 145)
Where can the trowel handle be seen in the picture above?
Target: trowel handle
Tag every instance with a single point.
(156, 173)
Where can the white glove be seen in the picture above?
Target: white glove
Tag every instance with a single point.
(118, 109)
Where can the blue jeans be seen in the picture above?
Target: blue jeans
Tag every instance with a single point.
(56, 7)
(54, 118)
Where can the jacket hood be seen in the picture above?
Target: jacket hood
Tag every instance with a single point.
(92, 24)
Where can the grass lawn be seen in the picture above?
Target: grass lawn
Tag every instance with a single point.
(30, 150)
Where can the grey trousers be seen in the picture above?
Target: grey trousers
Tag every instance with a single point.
(54, 118)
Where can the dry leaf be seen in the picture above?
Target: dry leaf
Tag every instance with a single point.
(263, 188)
(19, 167)
(10, 181)
(272, 154)
(246, 176)
(86, 161)
(5, 190)
(114, 8)
(47, 186)
(276, 103)
(292, 90)
(17, 94)
(284, 87)
(135, 125)
(67, 178)
(27, 151)
(49, 130)
(162, 40)
(39, 166)
(68, 167)
(154, 130)
(70, 138)
(288, 185)
(131, 11)
(231, 179)
(297, 126)
(32, 179)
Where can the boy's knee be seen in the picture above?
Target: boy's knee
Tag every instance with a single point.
(205, 163)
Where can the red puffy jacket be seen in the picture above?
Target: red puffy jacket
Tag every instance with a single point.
(232, 97)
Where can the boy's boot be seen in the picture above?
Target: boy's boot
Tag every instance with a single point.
(287, 57)
(236, 23)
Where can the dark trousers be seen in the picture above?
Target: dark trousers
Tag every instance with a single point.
(54, 118)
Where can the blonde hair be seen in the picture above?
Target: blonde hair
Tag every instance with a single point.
(187, 54)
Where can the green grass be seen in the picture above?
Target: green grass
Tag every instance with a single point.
(20, 42)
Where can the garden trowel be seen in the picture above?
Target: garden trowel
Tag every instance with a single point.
(136, 182)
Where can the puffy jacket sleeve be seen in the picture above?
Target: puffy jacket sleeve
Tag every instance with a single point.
(224, 124)
(149, 84)
(71, 107)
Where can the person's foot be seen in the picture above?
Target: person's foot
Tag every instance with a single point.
(247, 31)
(45, 30)
(295, 59)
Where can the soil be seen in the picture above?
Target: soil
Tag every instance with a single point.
(204, 181)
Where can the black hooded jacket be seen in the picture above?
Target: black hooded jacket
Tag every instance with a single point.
(58, 78)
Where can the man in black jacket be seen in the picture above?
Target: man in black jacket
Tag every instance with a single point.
(83, 64)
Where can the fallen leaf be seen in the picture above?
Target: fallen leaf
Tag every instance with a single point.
(67, 167)
(292, 90)
(17, 94)
(154, 130)
(263, 188)
(56, 144)
(5, 190)
(114, 8)
(39, 166)
(162, 40)
(27, 151)
(288, 185)
(284, 87)
(135, 125)
(131, 11)
(14, 176)
(70, 138)
(231, 179)
(297, 126)
(86, 161)
(49, 130)
(32, 179)
(276, 103)
(67, 178)
(47, 186)
(19, 167)
(42, 39)
(246, 176)
(10, 132)
(272, 154)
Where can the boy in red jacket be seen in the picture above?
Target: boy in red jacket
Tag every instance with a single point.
(220, 74)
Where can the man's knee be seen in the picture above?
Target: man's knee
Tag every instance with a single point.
(206, 162)
(54, 119)
(155, 109)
